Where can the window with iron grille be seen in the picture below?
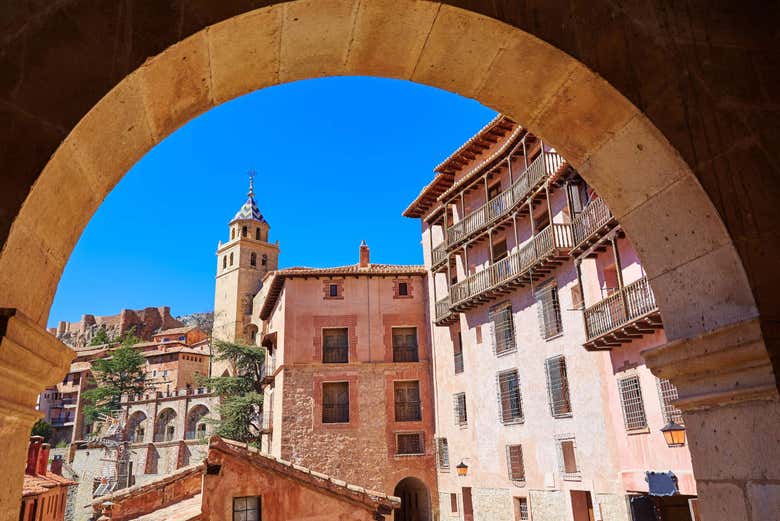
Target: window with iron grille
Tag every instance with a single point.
(405, 344)
(335, 345)
(549, 310)
(246, 508)
(514, 462)
(460, 409)
(558, 387)
(567, 457)
(403, 289)
(668, 393)
(407, 401)
(453, 502)
(521, 509)
(457, 355)
(335, 402)
(631, 402)
(442, 454)
(503, 329)
(409, 443)
(509, 397)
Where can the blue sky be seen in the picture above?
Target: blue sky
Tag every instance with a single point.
(337, 161)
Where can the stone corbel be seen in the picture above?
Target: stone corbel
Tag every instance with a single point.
(30, 360)
(726, 366)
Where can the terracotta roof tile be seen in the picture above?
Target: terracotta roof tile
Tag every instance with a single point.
(175, 330)
(38, 484)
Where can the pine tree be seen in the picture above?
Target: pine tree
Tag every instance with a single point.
(100, 338)
(42, 428)
(241, 403)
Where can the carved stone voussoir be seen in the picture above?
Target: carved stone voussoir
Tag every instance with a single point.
(725, 366)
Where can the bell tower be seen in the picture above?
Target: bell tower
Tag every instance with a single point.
(242, 262)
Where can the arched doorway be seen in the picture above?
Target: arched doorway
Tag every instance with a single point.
(196, 426)
(718, 315)
(165, 427)
(415, 500)
(136, 427)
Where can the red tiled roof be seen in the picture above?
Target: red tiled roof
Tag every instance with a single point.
(175, 331)
(38, 484)
(183, 349)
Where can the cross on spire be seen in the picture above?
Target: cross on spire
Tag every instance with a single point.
(252, 175)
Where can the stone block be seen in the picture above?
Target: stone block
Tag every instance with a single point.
(764, 500)
(389, 37)
(176, 85)
(722, 501)
(459, 50)
(245, 53)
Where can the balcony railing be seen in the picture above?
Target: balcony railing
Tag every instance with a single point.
(407, 411)
(164, 436)
(545, 165)
(518, 265)
(443, 310)
(635, 301)
(438, 255)
(593, 218)
(267, 369)
(195, 435)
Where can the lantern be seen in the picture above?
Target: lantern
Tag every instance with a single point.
(463, 469)
(674, 434)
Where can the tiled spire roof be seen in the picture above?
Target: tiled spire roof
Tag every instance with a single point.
(249, 210)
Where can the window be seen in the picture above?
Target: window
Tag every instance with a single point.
(246, 508)
(500, 252)
(453, 502)
(335, 345)
(558, 387)
(549, 310)
(407, 401)
(409, 443)
(231, 258)
(494, 190)
(521, 509)
(403, 289)
(576, 297)
(224, 262)
(458, 354)
(460, 409)
(631, 402)
(264, 261)
(253, 259)
(503, 329)
(442, 454)
(514, 462)
(405, 344)
(668, 393)
(509, 398)
(181, 339)
(257, 234)
(335, 402)
(232, 233)
(243, 231)
(333, 290)
(567, 458)
(478, 334)
(541, 222)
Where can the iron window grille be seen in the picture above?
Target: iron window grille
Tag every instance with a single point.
(442, 454)
(403, 289)
(632, 404)
(514, 462)
(510, 400)
(405, 344)
(335, 402)
(461, 417)
(549, 309)
(558, 387)
(457, 356)
(333, 290)
(335, 345)
(521, 509)
(409, 443)
(503, 329)
(567, 458)
(668, 393)
(407, 401)
(246, 508)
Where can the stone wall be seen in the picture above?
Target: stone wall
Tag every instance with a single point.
(492, 504)
(547, 505)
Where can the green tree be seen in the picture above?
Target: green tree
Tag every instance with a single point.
(100, 338)
(241, 403)
(122, 372)
(41, 428)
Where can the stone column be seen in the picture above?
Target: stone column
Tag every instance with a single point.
(30, 360)
(731, 408)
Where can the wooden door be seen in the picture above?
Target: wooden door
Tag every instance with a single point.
(468, 507)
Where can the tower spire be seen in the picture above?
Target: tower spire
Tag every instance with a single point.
(252, 174)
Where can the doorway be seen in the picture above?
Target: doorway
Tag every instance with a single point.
(415, 501)
(582, 505)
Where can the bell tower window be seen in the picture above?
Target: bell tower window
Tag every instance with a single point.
(224, 262)
(265, 260)
(243, 231)
(231, 258)
(253, 259)
(257, 234)
(232, 233)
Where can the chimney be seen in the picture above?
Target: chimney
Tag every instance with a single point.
(365, 257)
(56, 465)
(32, 454)
(43, 459)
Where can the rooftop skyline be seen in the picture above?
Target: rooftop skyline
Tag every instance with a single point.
(337, 160)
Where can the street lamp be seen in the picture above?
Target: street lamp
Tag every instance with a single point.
(674, 434)
(462, 468)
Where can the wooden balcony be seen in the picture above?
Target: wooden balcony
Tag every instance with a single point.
(501, 206)
(534, 260)
(622, 316)
(444, 316)
(591, 227)
(438, 256)
(267, 371)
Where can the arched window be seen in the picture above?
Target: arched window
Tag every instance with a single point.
(231, 258)
(257, 234)
(232, 233)
(224, 262)
(265, 259)
(253, 259)
(243, 231)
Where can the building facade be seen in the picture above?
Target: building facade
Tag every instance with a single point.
(544, 408)
(45, 490)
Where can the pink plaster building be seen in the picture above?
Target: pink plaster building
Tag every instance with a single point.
(540, 308)
(349, 368)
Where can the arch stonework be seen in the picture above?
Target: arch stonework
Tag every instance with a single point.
(709, 302)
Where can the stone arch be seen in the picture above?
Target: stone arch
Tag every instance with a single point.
(415, 500)
(685, 247)
(165, 426)
(136, 427)
(196, 426)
